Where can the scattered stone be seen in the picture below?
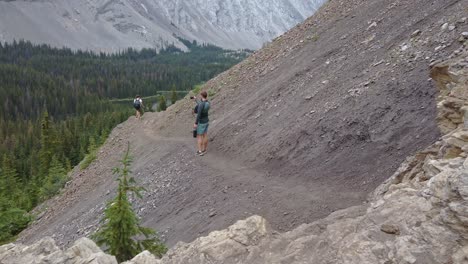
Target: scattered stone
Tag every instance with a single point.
(144, 257)
(444, 27)
(378, 63)
(372, 25)
(390, 229)
(416, 33)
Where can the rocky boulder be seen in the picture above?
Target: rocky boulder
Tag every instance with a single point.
(45, 251)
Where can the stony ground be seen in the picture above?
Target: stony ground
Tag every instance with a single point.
(187, 195)
(310, 124)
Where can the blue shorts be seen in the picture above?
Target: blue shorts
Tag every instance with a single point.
(202, 129)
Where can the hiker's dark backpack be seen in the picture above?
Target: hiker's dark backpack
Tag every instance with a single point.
(137, 104)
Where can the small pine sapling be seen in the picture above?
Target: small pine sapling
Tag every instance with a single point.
(121, 233)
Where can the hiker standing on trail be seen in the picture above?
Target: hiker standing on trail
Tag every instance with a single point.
(138, 104)
(201, 123)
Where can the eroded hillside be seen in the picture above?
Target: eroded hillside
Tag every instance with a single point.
(308, 125)
(418, 215)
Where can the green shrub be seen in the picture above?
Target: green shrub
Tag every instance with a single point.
(91, 156)
(12, 221)
(56, 179)
(211, 93)
(162, 103)
(197, 88)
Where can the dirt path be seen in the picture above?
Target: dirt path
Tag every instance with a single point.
(202, 194)
(187, 195)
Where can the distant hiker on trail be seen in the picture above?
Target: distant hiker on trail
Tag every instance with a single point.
(201, 123)
(138, 104)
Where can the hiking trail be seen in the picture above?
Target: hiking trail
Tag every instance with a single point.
(187, 195)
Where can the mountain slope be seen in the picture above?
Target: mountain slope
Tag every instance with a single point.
(308, 125)
(114, 25)
(417, 216)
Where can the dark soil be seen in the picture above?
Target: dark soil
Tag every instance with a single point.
(308, 125)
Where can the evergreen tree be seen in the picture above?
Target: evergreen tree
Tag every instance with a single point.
(121, 224)
(45, 152)
(9, 183)
(56, 178)
(8, 178)
(13, 219)
(173, 95)
(162, 106)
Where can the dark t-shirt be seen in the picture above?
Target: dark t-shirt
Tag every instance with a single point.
(202, 112)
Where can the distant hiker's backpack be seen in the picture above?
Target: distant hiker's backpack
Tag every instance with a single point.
(137, 104)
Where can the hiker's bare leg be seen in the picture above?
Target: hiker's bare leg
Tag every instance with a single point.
(205, 141)
(200, 142)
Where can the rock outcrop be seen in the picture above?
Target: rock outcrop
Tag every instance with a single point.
(46, 251)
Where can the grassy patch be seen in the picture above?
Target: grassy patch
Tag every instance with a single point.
(211, 93)
(197, 88)
(89, 158)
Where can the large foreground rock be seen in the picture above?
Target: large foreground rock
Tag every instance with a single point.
(46, 252)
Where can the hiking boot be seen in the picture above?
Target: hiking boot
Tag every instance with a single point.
(199, 152)
(202, 153)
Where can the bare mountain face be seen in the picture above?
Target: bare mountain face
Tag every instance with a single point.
(112, 25)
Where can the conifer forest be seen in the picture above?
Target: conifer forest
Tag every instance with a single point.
(59, 106)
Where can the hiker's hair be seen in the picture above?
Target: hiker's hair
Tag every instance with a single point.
(137, 96)
(204, 94)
